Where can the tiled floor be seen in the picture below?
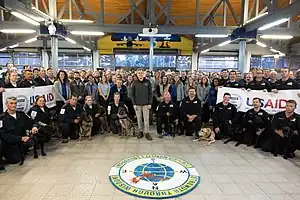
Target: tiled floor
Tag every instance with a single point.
(79, 171)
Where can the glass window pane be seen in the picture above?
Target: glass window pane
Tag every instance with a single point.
(75, 60)
(106, 61)
(216, 63)
(164, 61)
(184, 62)
(267, 62)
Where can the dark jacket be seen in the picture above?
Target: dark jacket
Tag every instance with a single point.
(25, 83)
(280, 120)
(122, 91)
(78, 88)
(261, 85)
(290, 84)
(234, 84)
(9, 85)
(142, 92)
(91, 111)
(164, 108)
(224, 114)
(191, 107)
(38, 115)
(114, 109)
(68, 114)
(40, 82)
(258, 119)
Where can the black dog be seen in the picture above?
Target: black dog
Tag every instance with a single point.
(285, 140)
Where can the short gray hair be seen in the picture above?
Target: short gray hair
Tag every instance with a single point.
(10, 99)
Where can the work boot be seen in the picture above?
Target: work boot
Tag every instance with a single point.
(65, 141)
(140, 135)
(148, 137)
(160, 135)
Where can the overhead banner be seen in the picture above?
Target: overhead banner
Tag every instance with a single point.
(271, 102)
(27, 96)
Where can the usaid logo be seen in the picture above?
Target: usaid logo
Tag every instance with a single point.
(22, 103)
(236, 100)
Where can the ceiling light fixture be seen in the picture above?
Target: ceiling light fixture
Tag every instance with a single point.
(47, 17)
(155, 35)
(212, 35)
(14, 46)
(261, 44)
(205, 51)
(274, 50)
(3, 49)
(25, 18)
(31, 40)
(96, 33)
(275, 23)
(255, 18)
(279, 37)
(17, 31)
(87, 49)
(224, 43)
(84, 21)
(70, 40)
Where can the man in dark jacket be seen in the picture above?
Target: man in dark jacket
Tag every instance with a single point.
(42, 79)
(232, 82)
(224, 118)
(78, 88)
(142, 100)
(93, 110)
(27, 80)
(70, 117)
(166, 113)
(13, 131)
(191, 110)
(119, 88)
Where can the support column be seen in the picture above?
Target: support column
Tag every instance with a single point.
(45, 59)
(151, 53)
(96, 60)
(194, 61)
(54, 52)
(247, 66)
(242, 54)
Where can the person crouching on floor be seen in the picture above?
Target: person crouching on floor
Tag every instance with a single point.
(70, 117)
(112, 111)
(191, 112)
(13, 127)
(166, 116)
(93, 110)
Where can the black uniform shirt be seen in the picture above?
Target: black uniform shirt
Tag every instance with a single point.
(290, 84)
(68, 114)
(114, 109)
(280, 120)
(191, 107)
(224, 114)
(234, 84)
(259, 85)
(164, 108)
(39, 115)
(260, 119)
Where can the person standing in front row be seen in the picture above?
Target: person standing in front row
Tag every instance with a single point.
(142, 100)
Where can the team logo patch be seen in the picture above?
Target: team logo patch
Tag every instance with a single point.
(154, 176)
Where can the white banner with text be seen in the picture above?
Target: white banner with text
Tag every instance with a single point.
(271, 102)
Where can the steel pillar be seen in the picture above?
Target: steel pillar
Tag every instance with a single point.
(54, 38)
(242, 55)
(45, 59)
(96, 60)
(151, 54)
(194, 61)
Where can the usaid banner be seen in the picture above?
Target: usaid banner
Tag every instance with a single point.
(271, 102)
(27, 96)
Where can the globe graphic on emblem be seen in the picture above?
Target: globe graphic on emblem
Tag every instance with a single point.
(154, 172)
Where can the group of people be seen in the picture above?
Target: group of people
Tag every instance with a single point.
(179, 102)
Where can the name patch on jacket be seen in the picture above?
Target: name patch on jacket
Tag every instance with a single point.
(62, 111)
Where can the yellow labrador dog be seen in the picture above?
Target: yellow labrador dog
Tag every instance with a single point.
(206, 134)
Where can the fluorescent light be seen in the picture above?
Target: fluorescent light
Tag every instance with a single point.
(224, 43)
(281, 54)
(85, 48)
(47, 17)
(212, 35)
(70, 40)
(268, 56)
(31, 40)
(85, 21)
(204, 51)
(25, 18)
(154, 35)
(277, 22)
(261, 44)
(255, 18)
(3, 49)
(14, 46)
(274, 50)
(279, 37)
(86, 33)
(17, 31)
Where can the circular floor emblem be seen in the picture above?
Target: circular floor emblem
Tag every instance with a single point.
(154, 176)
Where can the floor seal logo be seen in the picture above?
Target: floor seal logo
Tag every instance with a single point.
(154, 176)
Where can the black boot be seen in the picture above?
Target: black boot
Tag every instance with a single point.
(148, 137)
(140, 135)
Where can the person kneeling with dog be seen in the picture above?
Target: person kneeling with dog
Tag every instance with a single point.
(112, 110)
(92, 109)
(191, 110)
(255, 125)
(166, 113)
(70, 117)
(14, 126)
(286, 129)
(40, 115)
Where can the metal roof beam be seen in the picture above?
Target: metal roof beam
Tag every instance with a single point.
(288, 11)
(18, 40)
